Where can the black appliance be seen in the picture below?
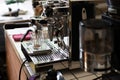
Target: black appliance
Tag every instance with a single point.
(113, 17)
(76, 17)
(114, 7)
(115, 25)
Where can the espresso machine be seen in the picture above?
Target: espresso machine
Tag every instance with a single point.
(76, 11)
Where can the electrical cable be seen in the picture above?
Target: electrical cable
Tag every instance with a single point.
(21, 69)
(70, 72)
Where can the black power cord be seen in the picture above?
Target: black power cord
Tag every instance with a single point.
(21, 69)
(70, 72)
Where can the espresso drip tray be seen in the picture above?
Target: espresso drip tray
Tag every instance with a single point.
(34, 51)
(49, 55)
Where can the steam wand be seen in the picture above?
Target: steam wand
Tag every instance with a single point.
(35, 26)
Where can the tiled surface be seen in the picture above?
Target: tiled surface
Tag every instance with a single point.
(78, 75)
(75, 73)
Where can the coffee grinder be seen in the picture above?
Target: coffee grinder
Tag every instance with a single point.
(95, 39)
(113, 17)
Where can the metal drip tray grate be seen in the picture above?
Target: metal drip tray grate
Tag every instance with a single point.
(56, 55)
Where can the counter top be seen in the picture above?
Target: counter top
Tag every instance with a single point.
(17, 47)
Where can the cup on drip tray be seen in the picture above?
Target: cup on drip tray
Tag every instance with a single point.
(37, 38)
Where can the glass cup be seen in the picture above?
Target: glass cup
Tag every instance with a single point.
(37, 39)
